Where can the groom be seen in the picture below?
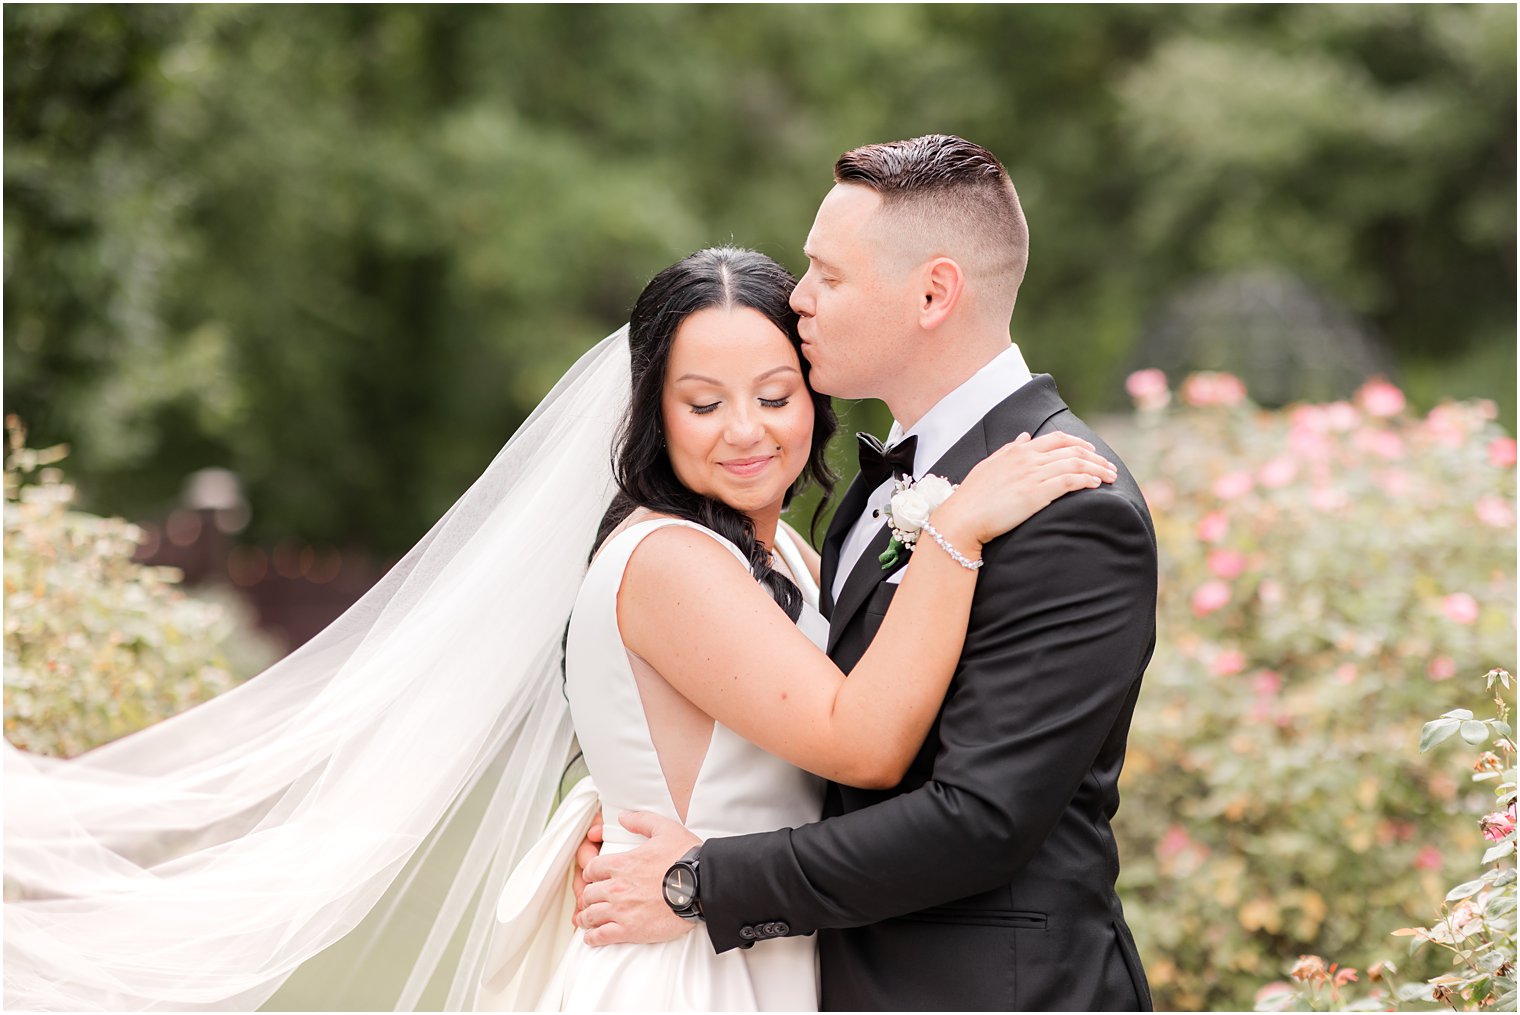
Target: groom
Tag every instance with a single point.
(985, 880)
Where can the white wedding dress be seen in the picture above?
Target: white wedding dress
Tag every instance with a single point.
(536, 959)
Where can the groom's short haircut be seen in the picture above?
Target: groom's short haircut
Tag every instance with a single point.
(945, 196)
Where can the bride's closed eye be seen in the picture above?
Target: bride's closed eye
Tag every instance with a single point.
(769, 403)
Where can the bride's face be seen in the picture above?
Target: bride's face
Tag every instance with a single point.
(738, 418)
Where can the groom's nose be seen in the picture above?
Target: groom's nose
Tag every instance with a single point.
(801, 300)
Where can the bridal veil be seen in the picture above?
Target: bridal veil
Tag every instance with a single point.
(373, 789)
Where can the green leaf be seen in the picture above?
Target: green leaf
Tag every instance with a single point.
(1457, 713)
(1436, 731)
(1474, 732)
(1464, 890)
(1499, 850)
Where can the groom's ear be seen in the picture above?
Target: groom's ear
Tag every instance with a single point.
(942, 285)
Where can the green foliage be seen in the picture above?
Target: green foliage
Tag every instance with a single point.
(96, 645)
(343, 250)
(1477, 917)
(1325, 571)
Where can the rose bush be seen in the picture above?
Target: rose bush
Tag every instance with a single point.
(1476, 926)
(1325, 571)
(97, 645)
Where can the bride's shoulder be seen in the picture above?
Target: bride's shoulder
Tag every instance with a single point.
(675, 537)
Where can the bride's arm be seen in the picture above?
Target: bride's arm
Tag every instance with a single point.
(693, 612)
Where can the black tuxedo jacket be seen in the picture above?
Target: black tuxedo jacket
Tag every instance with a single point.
(985, 880)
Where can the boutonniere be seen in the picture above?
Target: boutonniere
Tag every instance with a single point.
(913, 501)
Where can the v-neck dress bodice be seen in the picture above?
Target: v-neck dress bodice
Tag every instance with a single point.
(739, 789)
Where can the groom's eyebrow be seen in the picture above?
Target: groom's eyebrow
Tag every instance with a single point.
(811, 256)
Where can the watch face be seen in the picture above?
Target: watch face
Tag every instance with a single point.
(679, 886)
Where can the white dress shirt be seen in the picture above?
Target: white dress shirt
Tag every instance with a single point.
(951, 418)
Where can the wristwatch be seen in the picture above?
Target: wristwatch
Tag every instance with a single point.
(681, 887)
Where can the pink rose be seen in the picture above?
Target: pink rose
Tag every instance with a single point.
(1226, 564)
(1213, 526)
(1149, 389)
(1498, 824)
(1209, 597)
(1329, 500)
(1266, 683)
(1495, 511)
(1460, 608)
(1346, 673)
(1383, 443)
(1342, 416)
(1429, 859)
(1208, 388)
(1233, 485)
(1501, 451)
(1444, 426)
(1380, 398)
(1279, 472)
(1442, 668)
(1228, 663)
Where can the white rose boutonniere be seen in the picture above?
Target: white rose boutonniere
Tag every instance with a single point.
(913, 501)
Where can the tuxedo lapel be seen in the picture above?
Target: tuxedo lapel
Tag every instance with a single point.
(833, 541)
(1027, 409)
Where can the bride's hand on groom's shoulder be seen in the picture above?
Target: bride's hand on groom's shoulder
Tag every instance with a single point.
(623, 900)
(1020, 478)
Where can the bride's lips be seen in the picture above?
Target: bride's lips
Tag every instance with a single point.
(745, 467)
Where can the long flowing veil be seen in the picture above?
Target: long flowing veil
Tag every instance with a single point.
(373, 789)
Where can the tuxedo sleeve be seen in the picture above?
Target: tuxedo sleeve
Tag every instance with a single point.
(1062, 622)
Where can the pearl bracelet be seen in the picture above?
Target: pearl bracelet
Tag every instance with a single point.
(955, 555)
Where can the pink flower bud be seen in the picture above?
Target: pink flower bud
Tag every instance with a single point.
(1279, 472)
(1213, 526)
(1380, 398)
(1226, 564)
(1149, 389)
(1429, 859)
(1228, 663)
(1495, 511)
(1266, 683)
(1233, 485)
(1442, 668)
(1209, 597)
(1501, 451)
(1460, 608)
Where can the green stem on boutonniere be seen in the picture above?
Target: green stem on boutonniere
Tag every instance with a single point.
(889, 558)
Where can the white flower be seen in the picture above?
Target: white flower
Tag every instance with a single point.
(936, 488)
(910, 509)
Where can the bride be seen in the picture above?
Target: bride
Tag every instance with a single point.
(370, 795)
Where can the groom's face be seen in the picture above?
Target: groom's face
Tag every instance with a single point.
(854, 301)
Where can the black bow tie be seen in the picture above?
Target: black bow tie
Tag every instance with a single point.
(878, 464)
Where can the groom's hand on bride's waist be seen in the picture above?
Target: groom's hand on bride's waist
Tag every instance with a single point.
(624, 901)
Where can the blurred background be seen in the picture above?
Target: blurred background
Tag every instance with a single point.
(285, 278)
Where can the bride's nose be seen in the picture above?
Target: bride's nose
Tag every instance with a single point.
(744, 428)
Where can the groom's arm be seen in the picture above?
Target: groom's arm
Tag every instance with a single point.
(1063, 618)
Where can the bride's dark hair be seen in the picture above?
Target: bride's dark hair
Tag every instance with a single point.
(723, 277)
